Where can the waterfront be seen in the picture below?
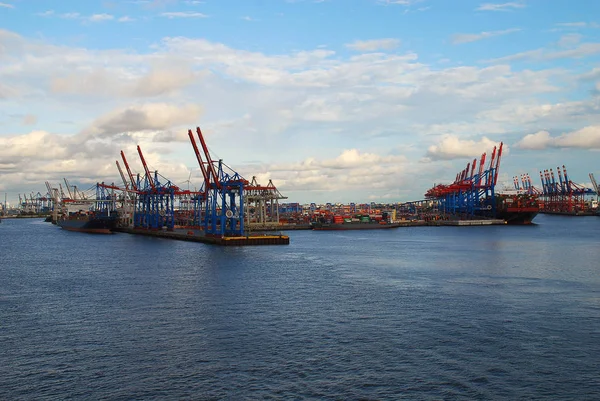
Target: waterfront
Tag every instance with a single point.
(417, 313)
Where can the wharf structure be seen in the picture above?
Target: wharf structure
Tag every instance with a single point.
(402, 214)
(229, 206)
(473, 192)
(221, 212)
(473, 195)
(32, 205)
(566, 197)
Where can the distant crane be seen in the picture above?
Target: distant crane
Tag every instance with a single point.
(563, 195)
(594, 184)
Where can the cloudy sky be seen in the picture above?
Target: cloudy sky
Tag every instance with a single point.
(334, 100)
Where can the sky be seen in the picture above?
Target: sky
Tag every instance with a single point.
(333, 100)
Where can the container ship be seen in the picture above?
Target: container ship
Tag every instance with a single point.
(355, 223)
(89, 222)
(517, 209)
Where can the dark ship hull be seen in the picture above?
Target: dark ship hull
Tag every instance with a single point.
(521, 216)
(89, 224)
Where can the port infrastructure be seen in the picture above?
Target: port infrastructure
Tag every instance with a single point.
(223, 193)
(525, 185)
(564, 196)
(595, 185)
(262, 205)
(473, 190)
(150, 201)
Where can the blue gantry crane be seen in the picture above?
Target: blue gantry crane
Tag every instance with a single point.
(472, 192)
(564, 196)
(221, 209)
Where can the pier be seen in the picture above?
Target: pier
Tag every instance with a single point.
(199, 236)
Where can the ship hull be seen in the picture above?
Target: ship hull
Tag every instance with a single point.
(518, 217)
(351, 226)
(92, 225)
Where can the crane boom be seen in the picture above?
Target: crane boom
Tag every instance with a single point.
(148, 176)
(498, 158)
(594, 183)
(211, 168)
(133, 184)
(122, 176)
(68, 188)
(199, 158)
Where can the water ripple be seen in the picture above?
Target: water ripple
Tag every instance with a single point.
(418, 313)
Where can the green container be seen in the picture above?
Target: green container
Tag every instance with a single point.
(365, 219)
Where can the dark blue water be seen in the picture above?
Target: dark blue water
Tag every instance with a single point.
(413, 313)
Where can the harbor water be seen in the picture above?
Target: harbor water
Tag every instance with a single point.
(493, 312)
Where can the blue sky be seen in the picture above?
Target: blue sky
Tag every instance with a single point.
(352, 100)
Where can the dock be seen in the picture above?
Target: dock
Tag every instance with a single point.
(486, 222)
(198, 236)
(451, 222)
(403, 223)
(279, 227)
(572, 213)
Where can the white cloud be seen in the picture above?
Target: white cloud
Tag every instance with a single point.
(150, 116)
(572, 24)
(36, 144)
(126, 19)
(375, 44)
(473, 37)
(350, 170)
(591, 75)
(163, 81)
(352, 158)
(539, 140)
(7, 92)
(583, 50)
(29, 119)
(584, 138)
(452, 147)
(336, 123)
(533, 112)
(569, 40)
(500, 6)
(184, 14)
(399, 2)
(77, 16)
(71, 16)
(6, 5)
(101, 17)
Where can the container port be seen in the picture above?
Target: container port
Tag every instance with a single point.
(224, 211)
(229, 209)
(560, 195)
(473, 196)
